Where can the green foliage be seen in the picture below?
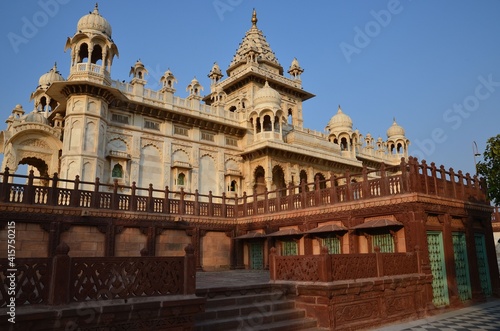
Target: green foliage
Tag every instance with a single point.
(490, 168)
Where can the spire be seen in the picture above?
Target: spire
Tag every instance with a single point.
(255, 49)
(96, 8)
(254, 18)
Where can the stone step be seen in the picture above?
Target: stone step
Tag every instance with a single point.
(289, 319)
(237, 300)
(216, 312)
(288, 325)
(258, 307)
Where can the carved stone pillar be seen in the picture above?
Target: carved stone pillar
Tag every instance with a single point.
(150, 232)
(196, 235)
(54, 230)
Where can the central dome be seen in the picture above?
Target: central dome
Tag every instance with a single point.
(94, 21)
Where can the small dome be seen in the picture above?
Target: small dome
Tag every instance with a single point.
(295, 64)
(339, 120)
(194, 81)
(395, 130)
(36, 117)
(215, 70)
(51, 76)
(94, 21)
(267, 95)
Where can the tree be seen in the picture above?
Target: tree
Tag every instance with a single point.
(490, 168)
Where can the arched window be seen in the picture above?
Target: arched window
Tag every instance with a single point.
(232, 186)
(117, 171)
(322, 180)
(43, 104)
(232, 109)
(343, 144)
(259, 180)
(83, 53)
(290, 116)
(303, 178)
(267, 123)
(96, 54)
(276, 124)
(400, 148)
(181, 178)
(257, 125)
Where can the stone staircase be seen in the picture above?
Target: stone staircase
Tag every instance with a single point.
(251, 308)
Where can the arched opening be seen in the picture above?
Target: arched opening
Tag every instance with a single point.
(279, 180)
(276, 124)
(322, 181)
(267, 123)
(400, 148)
(232, 109)
(343, 144)
(258, 126)
(259, 180)
(335, 141)
(39, 165)
(96, 54)
(232, 186)
(83, 53)
(42, 104)
(117, 171)
(290, 116)
(303, 178)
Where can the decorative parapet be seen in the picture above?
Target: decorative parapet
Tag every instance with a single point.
(157, 99)
(90, 72)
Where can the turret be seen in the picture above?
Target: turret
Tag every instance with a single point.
(92, 49)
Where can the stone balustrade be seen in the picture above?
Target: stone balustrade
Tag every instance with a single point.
(408, 177)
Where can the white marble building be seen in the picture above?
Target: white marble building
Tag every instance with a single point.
(245, 134)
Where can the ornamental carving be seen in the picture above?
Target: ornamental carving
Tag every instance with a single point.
(36, 143)
(400, 305)
(356, 312)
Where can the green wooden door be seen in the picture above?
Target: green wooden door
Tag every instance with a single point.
(384, 241)
(482, 264)
(333, 245)
(256, 255)
(438, 268)
(461, 266)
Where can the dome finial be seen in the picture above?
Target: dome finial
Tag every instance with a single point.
(254, 18)
(339, 110)
(96, 8)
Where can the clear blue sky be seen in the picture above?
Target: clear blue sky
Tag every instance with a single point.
(433, 65)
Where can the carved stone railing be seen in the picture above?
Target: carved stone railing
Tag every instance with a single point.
(63, 279)
(411, 177)
(335, 267)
